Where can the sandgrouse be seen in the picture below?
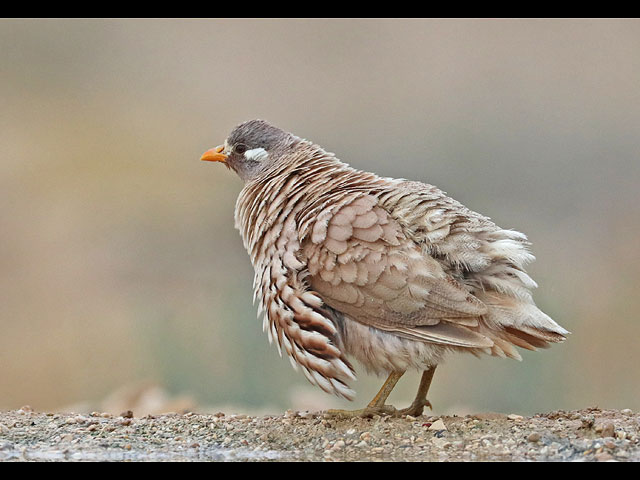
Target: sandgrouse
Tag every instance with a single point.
(391, 272)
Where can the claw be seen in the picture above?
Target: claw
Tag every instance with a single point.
(415, 409)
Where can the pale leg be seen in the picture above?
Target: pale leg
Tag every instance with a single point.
(377, 405)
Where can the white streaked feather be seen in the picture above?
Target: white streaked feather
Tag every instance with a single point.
(257, 154)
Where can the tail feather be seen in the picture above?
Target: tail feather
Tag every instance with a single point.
(518, 339)
(512, 322)
(533, 334)
(503, 348)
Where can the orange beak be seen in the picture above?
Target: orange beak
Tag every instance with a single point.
(214, 155)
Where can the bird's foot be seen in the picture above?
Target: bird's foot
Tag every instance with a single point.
(415, 409)
(366, 412)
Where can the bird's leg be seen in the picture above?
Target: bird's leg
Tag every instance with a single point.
(417, 407)
(377, 405)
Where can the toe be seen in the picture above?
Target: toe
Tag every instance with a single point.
(366, 412)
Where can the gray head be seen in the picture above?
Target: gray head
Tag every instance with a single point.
(251, 148)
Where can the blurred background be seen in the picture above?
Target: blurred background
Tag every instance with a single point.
(123, 283)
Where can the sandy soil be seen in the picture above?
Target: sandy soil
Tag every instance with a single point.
(586, 435)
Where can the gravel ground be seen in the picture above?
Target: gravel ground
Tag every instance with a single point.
(586, 435)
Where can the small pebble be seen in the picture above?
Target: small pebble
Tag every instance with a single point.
(438, 425)
(339, 445)
(588, 421)
(608, 430)
(603, 457)
(534, 437)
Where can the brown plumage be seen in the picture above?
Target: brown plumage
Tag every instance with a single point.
(393, 273)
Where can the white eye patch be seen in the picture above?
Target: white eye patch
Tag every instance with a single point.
(257, 154)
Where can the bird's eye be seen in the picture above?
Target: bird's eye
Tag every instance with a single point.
(240, 148)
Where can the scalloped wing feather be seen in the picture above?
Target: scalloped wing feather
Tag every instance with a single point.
(387, 282)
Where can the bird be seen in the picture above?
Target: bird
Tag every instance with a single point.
(392, 273)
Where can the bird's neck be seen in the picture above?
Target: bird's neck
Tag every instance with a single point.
(299, 185)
